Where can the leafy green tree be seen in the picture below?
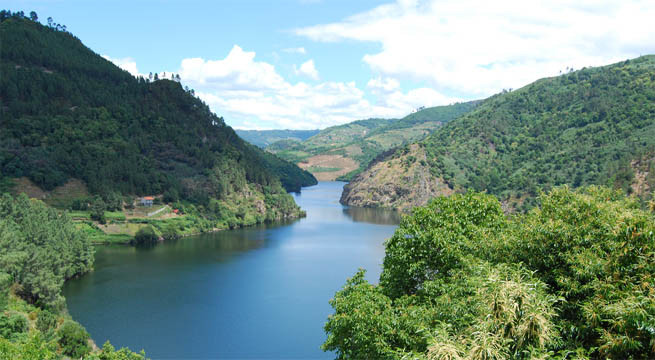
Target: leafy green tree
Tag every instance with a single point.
(73, 339)
(146, 236)
(98, 208)
(440, 236)
(571, 279)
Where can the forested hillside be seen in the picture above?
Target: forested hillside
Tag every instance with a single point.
(68, 113)
(345, 150)
(39, 250)
(264, 138)
(592, 126)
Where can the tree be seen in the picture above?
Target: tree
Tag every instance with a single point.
(145, 236)
(573, 277)
(98, 208)
(34, 16)
(73, 339)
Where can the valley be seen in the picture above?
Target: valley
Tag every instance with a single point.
(136, 210)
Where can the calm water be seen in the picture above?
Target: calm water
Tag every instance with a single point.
(254, 293)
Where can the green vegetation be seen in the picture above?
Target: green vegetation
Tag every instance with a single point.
(69, 114)
(317, 169)
(264, 138)
(571, 279)
(40, 249)
(73, 339)
(364, 140)
(145, 236)
(585, 127)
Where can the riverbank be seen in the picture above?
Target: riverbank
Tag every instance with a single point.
(120, 227)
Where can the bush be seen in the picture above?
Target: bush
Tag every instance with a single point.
(45, 321)
(170, 234)
(12, 325)
(145, 236)
(74, 340)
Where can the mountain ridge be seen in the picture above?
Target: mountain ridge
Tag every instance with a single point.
(340, 152)
(581, 128)
(68, 113)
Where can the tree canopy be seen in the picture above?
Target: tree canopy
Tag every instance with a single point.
(69, 113)
(571, 279)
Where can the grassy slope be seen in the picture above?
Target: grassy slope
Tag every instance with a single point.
(585, 127)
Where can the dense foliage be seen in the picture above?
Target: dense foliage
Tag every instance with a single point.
(571, 279)
(40, 249)
(69, 113)
(585, 127)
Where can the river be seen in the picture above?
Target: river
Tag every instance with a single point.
(255, 293)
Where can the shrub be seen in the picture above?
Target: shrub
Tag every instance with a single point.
(45, 321)
(145, 236)
(12, 325)
(170, 234)
(73, 339)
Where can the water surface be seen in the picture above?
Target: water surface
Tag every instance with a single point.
(252, 293)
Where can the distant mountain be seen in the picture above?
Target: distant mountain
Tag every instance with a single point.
(264, 138)
(67, 113)
(340, 152)
(593, 126)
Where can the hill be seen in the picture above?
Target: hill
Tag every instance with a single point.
(264, 138)
(592, 126)
(70, 115)
(340, 152)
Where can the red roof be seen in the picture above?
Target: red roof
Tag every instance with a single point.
(148, 198)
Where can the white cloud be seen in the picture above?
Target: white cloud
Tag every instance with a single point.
(307, 69)
(389, 96)
(251, 94)
(127, 64)
(237, 72)
(297, 50)
(476, 48)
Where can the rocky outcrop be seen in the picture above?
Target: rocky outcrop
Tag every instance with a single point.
(401, 181)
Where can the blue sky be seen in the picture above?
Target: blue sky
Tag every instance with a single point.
(314, 63)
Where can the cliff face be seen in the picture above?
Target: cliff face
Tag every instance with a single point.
(399, 182)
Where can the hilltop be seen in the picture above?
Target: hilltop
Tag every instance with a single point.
(592, 126)
(342, 151)
(69, 115)
(264, 138)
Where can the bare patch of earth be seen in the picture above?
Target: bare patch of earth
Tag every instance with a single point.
(344, 164)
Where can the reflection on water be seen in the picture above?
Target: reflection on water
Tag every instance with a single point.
(373, 216)
(260, 292)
